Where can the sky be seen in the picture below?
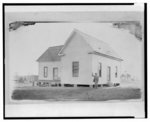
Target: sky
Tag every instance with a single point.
(26, 44)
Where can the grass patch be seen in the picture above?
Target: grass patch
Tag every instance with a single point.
(82, 94)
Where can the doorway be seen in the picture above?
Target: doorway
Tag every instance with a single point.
(108, 73)
(55, 73)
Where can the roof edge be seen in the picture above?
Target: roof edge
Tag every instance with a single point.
(66, 42)
(105, 55)
(42, 54)
(47, 50)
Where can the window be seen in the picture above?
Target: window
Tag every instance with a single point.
(116, 72)
(75, 69)
(45, 72)
(100, 69)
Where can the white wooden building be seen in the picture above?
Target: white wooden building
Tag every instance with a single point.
(76, 60)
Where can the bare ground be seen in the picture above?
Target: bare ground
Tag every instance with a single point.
(81, 94)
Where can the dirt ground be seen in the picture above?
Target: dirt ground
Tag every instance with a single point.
(81, 94)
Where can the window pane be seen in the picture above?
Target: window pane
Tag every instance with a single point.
(45, 71)
(75, 69)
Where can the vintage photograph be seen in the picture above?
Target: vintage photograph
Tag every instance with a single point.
(82, 54)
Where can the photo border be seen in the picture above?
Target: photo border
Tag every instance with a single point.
(77, 4)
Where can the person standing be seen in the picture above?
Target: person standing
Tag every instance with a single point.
(95, 80)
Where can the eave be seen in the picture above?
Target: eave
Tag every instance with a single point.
(107, 56)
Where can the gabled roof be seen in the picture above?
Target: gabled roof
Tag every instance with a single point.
(51, 54)
(97, 45)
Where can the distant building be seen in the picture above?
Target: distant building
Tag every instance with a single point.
(26, 79)
(31, 78)
(76, 60)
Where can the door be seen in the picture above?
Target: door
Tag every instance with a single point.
(108, 73)
(55, 73)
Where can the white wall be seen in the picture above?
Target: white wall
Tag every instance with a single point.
(106, 62)
(77, 50)
(50, 66)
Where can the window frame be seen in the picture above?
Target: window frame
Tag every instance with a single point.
(75, 69)
(45, 71)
